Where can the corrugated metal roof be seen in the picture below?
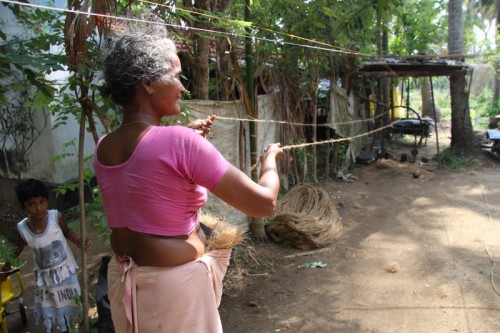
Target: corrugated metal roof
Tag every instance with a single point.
(393, 68)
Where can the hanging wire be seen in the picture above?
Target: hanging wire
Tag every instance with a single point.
(236, 22)
(328, 49)
(324, 47)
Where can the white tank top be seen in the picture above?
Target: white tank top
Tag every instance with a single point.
(54, 261)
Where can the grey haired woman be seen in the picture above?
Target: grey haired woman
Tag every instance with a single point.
(154, 179)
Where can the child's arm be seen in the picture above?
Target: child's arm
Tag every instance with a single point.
(19, 247)
(69, 234)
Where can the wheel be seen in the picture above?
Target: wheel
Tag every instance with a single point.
(3, 321)
(496, 154)
(22, 311)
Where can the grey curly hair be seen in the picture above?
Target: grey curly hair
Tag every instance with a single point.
(136, 57)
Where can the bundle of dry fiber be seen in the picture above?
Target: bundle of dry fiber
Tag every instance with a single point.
(305, 218)
(222, 234)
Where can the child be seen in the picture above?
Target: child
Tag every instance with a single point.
(57, 292)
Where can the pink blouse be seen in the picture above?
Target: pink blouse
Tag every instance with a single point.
(163, 184)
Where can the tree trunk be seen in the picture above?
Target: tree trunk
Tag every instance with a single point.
(462, 136)
(383, 84)
(201, 44)
(257, 224)
(425, 92)
(386, 82)
(224, 59)
(83, 230)
(224, 69)
(201, 69)
(496, 82)
(427, 103)
(314, 110)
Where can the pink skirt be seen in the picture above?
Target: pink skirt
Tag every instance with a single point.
(176, 299)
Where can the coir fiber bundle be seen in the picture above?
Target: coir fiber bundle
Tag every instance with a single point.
(306, 218)
(220, 234)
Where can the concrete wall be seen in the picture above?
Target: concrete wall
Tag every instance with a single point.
(52, 140)
(225, 135)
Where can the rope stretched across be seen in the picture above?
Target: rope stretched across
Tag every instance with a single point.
(305, 218)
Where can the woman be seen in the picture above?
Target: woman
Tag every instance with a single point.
(153, 180)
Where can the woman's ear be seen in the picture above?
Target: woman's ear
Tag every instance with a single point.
(148, 87)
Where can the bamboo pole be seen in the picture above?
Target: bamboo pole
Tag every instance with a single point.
(83, 231)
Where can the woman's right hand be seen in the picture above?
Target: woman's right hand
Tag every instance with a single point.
(273, 149)
(254, 199)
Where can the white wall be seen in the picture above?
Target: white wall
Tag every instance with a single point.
(225, 133)
(51, 142)
(225, 136)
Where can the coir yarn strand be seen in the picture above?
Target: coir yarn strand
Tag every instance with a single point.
(305, 218)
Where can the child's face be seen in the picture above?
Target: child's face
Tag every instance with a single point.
(36, 207)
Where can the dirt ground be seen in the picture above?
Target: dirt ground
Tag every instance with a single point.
(416, 255)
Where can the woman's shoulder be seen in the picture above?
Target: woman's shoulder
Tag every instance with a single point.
(176, 131)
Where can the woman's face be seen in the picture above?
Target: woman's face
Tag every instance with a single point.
(168, 91)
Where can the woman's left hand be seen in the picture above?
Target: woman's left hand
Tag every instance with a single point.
(202, 126)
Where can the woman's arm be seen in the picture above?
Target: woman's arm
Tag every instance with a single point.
(256, 200)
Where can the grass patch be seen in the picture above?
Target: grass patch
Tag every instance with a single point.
(453, 162)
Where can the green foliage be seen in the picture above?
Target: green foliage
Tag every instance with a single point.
(95, 216)
(418, 28)
(441, 94)
(94, 325)
(323, 24)
(483, 104)
(494, 109)
(29, 54)
(25, 61)
(451, 160)
(342, 153)
(182, 119)
(7, 252)
(21, 126)
(479, 18)
(269, 264)
(93, 206)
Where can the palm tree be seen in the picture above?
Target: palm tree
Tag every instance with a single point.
(462, 136)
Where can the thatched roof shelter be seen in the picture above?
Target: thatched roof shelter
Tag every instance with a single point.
(415, 68)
